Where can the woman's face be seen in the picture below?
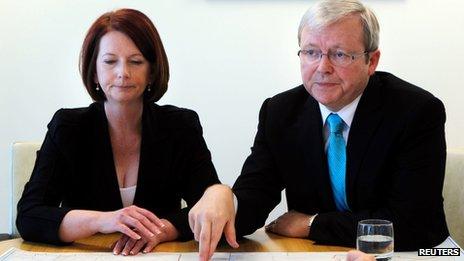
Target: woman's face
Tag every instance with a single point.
(122, 71)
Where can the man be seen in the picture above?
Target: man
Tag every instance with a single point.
(349, 144)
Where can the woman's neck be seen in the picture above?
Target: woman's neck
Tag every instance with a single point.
(124, 118)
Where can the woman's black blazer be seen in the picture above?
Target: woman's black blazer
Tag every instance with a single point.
(75, 169)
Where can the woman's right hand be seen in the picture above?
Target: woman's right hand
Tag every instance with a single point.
(128, 246)
(128, 219)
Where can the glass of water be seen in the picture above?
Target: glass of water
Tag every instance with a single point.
(375, 237)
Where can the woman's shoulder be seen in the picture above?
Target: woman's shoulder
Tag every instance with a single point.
(173, 117)
(73, 118)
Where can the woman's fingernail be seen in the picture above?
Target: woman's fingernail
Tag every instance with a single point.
(131, 252)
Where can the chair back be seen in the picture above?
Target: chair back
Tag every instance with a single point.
(23, 159)
(453, 193)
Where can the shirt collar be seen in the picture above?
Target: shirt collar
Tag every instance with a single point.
(346, 113)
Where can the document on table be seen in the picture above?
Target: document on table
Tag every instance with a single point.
(18, 254)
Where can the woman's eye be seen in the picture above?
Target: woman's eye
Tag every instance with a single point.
(109, 61)
(137, 62)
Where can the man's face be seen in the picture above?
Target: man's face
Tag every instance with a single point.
(332, 85)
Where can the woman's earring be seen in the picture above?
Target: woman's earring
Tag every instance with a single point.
(149, 87)
(98, 87)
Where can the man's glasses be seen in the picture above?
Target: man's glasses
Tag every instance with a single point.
(337, 58)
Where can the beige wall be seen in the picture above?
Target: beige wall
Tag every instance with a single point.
(226, 57)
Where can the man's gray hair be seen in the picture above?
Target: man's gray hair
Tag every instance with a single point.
(327, 12)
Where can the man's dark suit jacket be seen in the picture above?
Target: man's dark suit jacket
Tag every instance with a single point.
(75, 168)
(396, 155)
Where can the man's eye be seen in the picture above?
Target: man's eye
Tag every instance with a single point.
(313, 52)
(339, 54)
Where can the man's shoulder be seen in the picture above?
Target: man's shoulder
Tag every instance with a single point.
(294, 97)
(400, 90)
(401, 99)
(286, 107)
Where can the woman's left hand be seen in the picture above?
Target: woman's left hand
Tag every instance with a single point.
(129, 246)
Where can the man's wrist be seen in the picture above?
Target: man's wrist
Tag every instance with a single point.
(310, 222)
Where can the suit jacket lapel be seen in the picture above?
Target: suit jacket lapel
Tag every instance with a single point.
(315, 163)
(366, 120)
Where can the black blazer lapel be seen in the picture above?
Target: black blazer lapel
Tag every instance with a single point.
(152, 135)
(366, 120)
(104, 169)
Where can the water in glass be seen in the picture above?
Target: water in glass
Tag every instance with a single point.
(375, 237)
(378, 245)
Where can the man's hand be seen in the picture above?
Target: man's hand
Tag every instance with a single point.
(211, 215)
(290, 224)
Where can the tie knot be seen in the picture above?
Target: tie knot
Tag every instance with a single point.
(335, 123)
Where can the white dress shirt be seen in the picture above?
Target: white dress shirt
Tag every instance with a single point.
(346, 113)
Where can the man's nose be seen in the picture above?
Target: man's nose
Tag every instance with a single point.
(325, 65)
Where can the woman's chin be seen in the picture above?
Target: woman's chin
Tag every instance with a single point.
(125, 99)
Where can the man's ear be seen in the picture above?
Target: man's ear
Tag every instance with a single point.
(374, 58)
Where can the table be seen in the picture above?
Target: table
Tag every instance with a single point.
(260, 241)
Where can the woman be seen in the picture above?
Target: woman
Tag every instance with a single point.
(123, 163)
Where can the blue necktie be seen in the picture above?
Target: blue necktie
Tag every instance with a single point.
(336, 157)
